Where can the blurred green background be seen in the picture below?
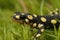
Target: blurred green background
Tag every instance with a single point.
(10, 30)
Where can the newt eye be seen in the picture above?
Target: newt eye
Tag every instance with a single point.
(16, 16)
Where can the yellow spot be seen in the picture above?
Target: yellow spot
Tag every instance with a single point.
(38, 35)
(56, 13)
(34, 25)
(40, 25)
(17, 16)
(43, 19)
(42, 30)
(27, 20)
(53, 21)
(56, 9)
(50, 13)
(30, 17)
(35, 15)
(22, 13)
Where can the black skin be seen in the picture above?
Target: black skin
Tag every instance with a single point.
(37, 20)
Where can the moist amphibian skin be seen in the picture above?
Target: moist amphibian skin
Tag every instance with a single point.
(39, 22)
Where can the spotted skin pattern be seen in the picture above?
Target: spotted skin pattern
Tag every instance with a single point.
(39, 22)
